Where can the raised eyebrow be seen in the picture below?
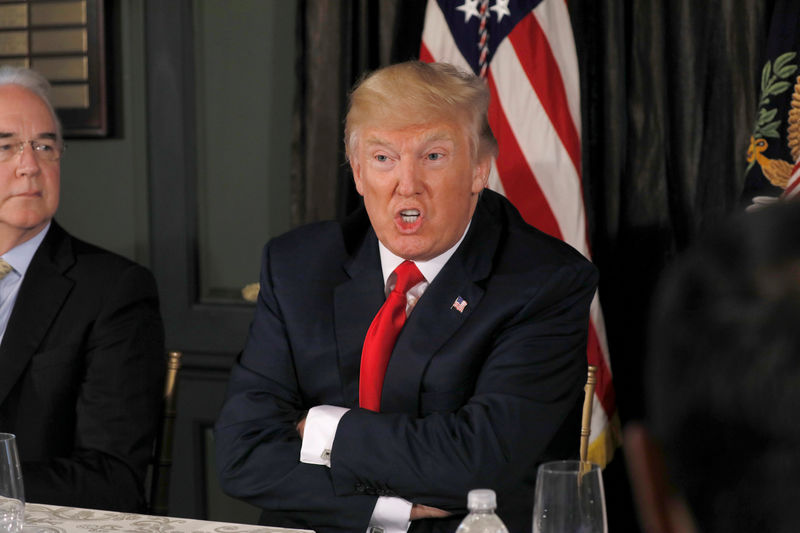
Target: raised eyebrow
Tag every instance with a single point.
(376, 141)
(437, 136)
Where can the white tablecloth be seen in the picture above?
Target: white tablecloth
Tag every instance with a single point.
(41, 518)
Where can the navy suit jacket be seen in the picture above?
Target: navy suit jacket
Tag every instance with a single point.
(81, 375)
(471, 399)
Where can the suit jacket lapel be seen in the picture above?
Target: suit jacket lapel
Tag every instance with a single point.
(356, 302)
(434, 318)
(40, 297)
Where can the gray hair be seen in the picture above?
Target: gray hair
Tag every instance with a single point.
(34, 82)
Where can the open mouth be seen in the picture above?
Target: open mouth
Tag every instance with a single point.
(409, 216)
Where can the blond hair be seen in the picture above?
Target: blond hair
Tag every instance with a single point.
(415, 93)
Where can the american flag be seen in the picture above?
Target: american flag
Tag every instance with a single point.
(459, 304)
(525, 51)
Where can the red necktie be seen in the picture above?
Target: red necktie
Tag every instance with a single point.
(382, 334)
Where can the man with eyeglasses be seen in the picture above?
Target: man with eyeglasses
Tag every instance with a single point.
(81, 338)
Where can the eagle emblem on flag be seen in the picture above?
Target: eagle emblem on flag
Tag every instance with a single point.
(775, 80)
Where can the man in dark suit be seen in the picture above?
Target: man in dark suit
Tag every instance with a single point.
(81, 356)
(482, 376)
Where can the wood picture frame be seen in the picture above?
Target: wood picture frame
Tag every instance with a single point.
(64, 40)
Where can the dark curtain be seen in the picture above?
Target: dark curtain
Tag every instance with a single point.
(669, 97)
(669, 93)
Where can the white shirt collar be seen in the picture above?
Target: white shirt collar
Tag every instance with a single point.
(20, 256)
(430, 268)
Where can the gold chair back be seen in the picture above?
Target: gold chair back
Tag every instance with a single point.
(162, 456)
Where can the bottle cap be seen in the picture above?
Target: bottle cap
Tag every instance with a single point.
(479, 499)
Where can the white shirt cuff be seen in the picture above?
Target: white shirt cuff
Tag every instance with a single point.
(391, 515)
(318, 434)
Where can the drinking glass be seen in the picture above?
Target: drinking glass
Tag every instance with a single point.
(568, 502)
(12, 497)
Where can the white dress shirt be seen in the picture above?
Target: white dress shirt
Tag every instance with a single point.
(391, 514)
(19, 258)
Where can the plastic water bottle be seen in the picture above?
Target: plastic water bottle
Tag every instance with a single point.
(481, 518)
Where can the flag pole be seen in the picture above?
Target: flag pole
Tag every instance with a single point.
(586, 420)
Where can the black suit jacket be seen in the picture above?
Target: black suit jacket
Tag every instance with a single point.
(83, 365)
(471, 399)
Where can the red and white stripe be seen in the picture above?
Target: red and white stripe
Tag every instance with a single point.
(535, 114)
(793, 186)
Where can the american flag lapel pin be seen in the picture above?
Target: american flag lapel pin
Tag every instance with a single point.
(459, 304)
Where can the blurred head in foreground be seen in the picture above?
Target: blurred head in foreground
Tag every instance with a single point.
(723, 377)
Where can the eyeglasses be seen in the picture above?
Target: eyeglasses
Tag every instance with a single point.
(43, 149)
